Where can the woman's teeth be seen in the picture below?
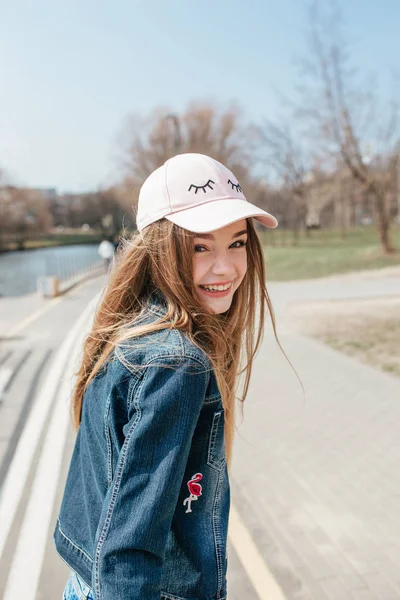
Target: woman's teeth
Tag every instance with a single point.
(216, 288)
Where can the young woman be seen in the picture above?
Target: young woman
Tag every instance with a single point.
(146, 503)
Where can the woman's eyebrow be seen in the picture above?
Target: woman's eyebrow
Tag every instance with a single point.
(239, 233)
(209, 236)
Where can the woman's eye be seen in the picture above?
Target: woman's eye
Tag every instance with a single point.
(240, 242)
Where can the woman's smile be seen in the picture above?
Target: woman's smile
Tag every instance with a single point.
(216, 290)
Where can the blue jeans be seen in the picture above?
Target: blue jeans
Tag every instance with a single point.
(76, 589)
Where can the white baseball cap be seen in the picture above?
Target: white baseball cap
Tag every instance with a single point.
(197, 193)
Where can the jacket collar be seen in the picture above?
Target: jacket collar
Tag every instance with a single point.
(157, 303)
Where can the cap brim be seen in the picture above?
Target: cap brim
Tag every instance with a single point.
(219, 213)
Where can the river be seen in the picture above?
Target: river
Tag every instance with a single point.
(19, 270)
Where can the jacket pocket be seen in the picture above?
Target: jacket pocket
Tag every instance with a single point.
(216, 446)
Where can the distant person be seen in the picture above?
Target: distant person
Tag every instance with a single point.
(145, 509)
(106, 251)
(116, 242)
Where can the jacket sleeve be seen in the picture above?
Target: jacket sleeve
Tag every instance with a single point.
(140, 504)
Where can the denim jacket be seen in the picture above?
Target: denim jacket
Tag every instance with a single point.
(145, 508)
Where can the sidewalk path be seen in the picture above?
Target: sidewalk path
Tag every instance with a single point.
(13, 310)
(17, 312)
(364, 284)
(318, 483)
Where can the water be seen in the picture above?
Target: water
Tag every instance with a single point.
(19, 270)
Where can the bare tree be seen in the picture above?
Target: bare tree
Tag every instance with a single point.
(101, 209)
(286, 158)
(24, 213)
(344, 118)
(202, 128)
(4, 208)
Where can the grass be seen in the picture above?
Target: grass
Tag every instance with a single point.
(383, 351)
(325, 253)
(58, 239)
(368, 330)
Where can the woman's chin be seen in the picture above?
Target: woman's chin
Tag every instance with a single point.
(219, 305)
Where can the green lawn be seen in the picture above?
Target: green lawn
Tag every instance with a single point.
(58, 239)
(325, 253)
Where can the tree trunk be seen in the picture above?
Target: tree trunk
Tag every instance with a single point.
(382, 221)
(296, 219)
(343, 213)
(295, 238)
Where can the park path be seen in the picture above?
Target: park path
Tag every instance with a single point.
(379, 283)
(316, 481)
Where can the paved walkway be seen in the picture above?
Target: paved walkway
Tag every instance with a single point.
(318, 483)
(16, 312)
(364, 284)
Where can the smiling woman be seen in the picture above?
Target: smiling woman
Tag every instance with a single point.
(181, 319)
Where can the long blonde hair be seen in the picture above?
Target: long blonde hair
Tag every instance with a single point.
(160, 258)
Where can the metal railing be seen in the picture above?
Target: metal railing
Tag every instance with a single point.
(63, 272)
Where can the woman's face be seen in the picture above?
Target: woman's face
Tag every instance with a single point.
(220, 259)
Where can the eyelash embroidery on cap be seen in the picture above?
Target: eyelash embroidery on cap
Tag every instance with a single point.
(195, 490)
(202, 187)
(235, 185)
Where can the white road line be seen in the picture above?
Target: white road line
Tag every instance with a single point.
(14, 483)
(259, 575)
(5, 376)
(20, 326)
(36, 524)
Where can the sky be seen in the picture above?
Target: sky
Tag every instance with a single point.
(71, 71)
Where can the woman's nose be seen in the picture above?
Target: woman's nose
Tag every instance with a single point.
(223, 265)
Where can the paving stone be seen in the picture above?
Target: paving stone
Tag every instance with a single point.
(334, 589)
(364, 594)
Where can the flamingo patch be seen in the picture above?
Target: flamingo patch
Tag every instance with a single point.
(194, 489)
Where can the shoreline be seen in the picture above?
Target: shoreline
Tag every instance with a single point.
(50, 244)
